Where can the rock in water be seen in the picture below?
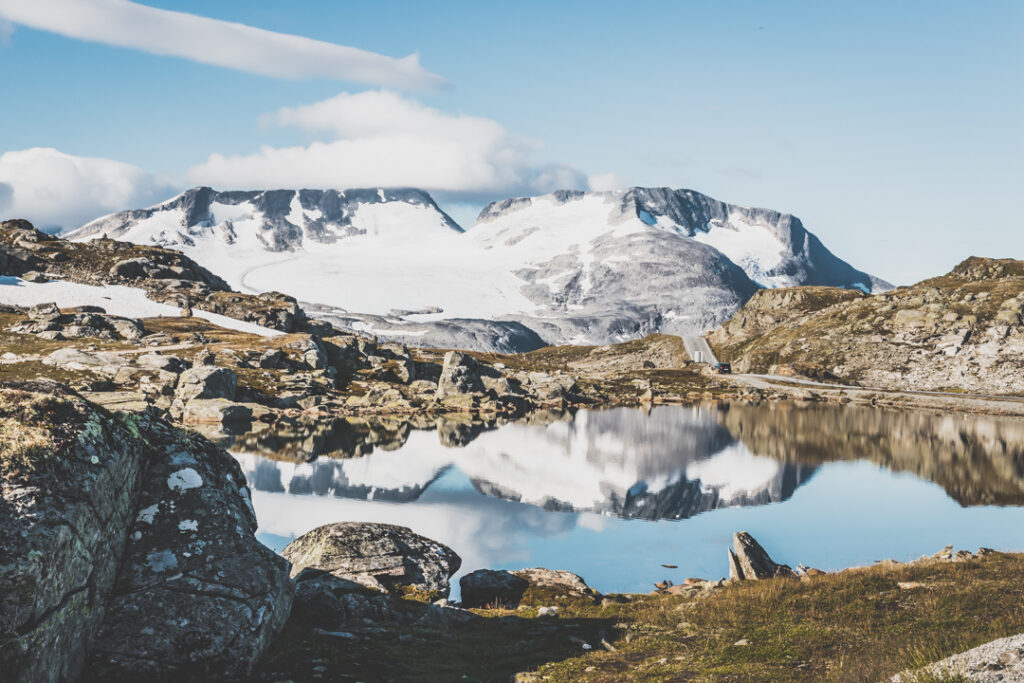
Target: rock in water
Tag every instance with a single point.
(382, 556)
(197, 595)
(748, 560)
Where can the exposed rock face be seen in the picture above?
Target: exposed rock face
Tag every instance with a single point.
(329, 602)
(125, 545)
(537, 586)
(749, 561)
(963, 331)
(68, 501)
(380, 556)
(197, 592)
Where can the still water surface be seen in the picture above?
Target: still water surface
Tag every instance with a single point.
(614, 494)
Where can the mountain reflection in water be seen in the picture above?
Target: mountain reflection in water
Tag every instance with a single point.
(570, 490)
(670, 464)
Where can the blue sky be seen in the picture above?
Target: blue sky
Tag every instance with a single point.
(894, 130)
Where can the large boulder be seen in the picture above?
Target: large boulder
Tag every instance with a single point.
(198, 596)
(69, 477)
(215, 411)
(127, 548)
(323, 600)
(207, 381)
(749, 561)
(460, 374)
(381, 556)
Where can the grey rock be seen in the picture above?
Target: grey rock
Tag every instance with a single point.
(197, 596)
(62, 533)
(156, 361)
(326, 601)
(749, 561)
(380, 556)
(215, 411)
(459, 375)
(207, 381)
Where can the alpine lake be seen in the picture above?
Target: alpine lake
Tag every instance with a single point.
(616, 495)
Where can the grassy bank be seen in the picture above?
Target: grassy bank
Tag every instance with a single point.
(856, 625)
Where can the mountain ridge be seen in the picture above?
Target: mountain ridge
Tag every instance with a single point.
(570, 266)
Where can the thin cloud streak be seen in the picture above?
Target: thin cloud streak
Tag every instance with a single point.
(211, 41)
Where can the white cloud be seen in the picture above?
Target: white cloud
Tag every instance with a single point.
(381, 139)
(604, 181)
(57, 190)
(212, 41)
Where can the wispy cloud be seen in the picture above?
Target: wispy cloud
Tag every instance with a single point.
(381, 139)
(212, 41)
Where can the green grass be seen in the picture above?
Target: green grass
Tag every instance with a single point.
(851, 626)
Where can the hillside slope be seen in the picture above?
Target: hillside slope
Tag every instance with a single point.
(962, 331)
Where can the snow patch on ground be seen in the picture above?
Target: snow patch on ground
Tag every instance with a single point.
(119, 300)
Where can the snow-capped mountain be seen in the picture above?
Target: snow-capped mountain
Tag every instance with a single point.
(671, 464)
(584, 267)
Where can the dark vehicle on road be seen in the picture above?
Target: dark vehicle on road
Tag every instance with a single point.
(722, 368)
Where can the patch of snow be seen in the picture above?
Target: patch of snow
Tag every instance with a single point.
(188, 525)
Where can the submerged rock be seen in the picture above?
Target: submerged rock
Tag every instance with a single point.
(381, 556)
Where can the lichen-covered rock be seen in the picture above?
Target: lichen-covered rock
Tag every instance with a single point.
(323, 600)
(198, 596)
(69, 475)
(127, 548)
(381, 556)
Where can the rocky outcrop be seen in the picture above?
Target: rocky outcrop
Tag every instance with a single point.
(963, 331)
(749, 561)
(381, 556)
(492, 588)
(68, 502)
(460, 375)
(49, 322)
(126, 546)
